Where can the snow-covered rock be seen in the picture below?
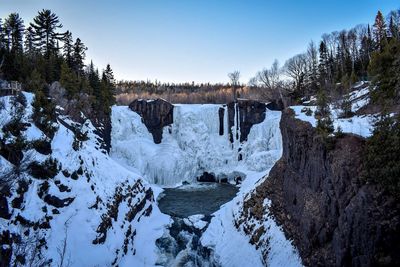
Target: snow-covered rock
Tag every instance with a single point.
(110, 213)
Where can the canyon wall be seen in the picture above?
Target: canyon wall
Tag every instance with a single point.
(318, 196)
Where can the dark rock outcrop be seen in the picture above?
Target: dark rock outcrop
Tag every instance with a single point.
(155, 115)
(207, 177)
(4, 211)
(317, 195)
(221, 114)
(58, 202)
(250, 112)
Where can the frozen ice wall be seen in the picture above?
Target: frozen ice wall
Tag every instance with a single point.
(191, 145)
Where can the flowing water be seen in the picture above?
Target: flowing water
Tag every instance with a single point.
(191, 208)
(202, 198)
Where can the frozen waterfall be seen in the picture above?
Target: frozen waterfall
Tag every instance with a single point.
(192, 144)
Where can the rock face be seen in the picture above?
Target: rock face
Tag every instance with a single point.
(334, 218)
(155, 114)
(250, 112)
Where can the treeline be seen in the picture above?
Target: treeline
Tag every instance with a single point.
(338, 60)
(328, 69)
(40, 53)
(127, 91)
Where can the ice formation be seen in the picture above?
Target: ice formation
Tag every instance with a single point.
(191, 145)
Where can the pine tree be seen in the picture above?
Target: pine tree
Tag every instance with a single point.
(35, 82)
(379, 29)
(323, 65)
(109, 75)
(29, 42)
(69, 81)
(382, 154)
(107, 89)
(45, 26)
(384, 70)
(68, 49)
(2, 40)
(393, 29)
(79, 54)
(14, 27)
(324, 121)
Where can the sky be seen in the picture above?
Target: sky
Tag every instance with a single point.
(198, 40)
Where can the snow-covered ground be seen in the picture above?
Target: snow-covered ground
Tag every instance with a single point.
(78, 222)
(359, 125)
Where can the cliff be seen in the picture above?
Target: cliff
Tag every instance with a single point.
(246, 113)
(319, 198)
(155, 114)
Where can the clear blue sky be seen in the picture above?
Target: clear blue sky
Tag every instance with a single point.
(202, 40)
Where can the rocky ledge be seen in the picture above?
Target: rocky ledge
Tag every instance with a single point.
(250, 112)
(155, 115)
(322, 203)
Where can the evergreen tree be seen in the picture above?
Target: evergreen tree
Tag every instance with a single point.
(379, 29)
(324, 121)
(35, 82)
(79, 54)
(109, 75)
(2, 40)
(393, 29)
(68, 49)
(29, 42)
(14, 27)
(107, 89)
(384, 70)
(45, 26)
(382, 154)
(323, 65)
(346, 105)
(69, 81)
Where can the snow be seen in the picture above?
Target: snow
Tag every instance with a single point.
(77, 222)
(195, 221)
(190, 146)
(359, 125)
(222, 235)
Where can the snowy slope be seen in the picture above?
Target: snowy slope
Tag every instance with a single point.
(358, 124)
(232, 245)
(102, 189)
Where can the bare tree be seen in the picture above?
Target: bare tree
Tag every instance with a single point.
(273, 87)
(296, 68)
(65, 261)
(234, 77)
(253, 82)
